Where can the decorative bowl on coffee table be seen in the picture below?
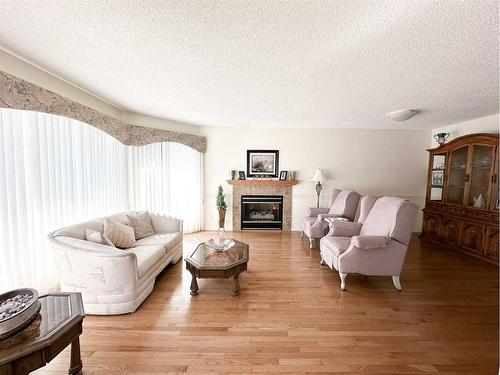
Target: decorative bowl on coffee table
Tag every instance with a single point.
(220, 244)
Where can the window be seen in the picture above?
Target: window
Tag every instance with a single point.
(55, 171)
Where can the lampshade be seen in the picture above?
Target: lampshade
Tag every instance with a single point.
(318, 176)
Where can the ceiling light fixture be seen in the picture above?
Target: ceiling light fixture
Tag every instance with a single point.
(402, 114)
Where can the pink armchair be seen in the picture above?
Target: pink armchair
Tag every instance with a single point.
(374, 246)
(343, 204)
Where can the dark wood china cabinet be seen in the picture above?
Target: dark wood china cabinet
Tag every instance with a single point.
(462, 202)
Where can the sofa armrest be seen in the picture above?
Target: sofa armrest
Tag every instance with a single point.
(96, 270)
(340, 228)
(370, 242)
(165, 224)
(314, 211)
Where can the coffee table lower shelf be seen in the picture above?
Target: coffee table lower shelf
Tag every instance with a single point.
(233, 272)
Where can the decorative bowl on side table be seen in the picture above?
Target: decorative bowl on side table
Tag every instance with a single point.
(18, 308)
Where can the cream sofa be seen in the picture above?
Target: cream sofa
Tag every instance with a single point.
(114, 281)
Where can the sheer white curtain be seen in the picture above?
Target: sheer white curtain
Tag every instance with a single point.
(54, 171)
(168, 177)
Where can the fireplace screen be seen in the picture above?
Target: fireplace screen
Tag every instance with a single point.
(261, 212)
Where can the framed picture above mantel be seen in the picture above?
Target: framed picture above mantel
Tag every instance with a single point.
(262, 163)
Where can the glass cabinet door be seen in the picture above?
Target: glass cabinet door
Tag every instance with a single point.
(495, 198)
(482, 163)
(456, 178)
(437, 177)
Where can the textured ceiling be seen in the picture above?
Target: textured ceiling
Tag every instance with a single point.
(262, 63)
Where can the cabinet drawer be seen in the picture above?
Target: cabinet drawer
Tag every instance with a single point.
(478, 214)
(455, 210)
(434, 206)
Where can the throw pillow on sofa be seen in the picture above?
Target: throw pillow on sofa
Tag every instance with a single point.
(97, 237)
(121, 235)
(142, 225)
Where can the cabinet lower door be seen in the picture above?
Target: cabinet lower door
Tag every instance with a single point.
(449, 231)
(473, 237)
(430, 227)
(490, 250)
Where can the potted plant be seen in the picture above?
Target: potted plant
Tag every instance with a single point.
(221, 206)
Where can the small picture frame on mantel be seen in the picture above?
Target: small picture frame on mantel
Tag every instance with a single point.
(241, 175)
(283, 175)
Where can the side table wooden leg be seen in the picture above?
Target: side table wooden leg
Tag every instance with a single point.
(236, 285)
(75, 366)
(194, 286)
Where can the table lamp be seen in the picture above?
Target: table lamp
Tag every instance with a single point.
(318, 178)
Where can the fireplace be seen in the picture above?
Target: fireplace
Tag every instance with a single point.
(262, 188)
(262, 212)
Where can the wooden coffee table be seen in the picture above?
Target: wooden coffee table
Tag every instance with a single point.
(58, 325)
(205, 262)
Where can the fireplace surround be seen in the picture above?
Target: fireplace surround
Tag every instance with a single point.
(263, 188)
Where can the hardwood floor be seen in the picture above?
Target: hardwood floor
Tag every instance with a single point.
(291, 317)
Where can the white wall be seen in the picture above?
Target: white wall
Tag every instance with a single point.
(382, 162)
(160, 123)
(20, 68)
(488, 124)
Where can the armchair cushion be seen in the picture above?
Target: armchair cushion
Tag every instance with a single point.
(370, 242)
(337, 245)
(313, 227)
(314, 211)
(340, 228)
(308, 221)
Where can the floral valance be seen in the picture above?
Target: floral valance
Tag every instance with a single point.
(17, 93)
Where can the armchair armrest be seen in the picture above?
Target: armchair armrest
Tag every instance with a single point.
(165, 224)
(332, 216)
(314, 211)
(370, 242)
(340, 228)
